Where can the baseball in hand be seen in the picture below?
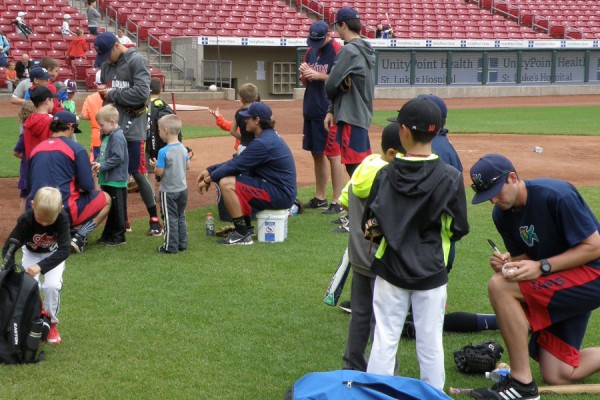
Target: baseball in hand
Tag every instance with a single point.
(508, 272)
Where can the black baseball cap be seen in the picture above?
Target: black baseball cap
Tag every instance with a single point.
(420, 114)
(39, 94)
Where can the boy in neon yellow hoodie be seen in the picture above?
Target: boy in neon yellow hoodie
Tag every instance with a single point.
(354, 197)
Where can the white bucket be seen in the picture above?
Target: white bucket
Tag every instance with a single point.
(272, 225)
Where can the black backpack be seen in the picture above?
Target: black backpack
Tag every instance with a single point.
(21, 320)
(156, 110)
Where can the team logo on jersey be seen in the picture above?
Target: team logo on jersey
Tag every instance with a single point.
(43, 241)
(528, 235)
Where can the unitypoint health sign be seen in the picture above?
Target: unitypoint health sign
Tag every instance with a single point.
(500, 67)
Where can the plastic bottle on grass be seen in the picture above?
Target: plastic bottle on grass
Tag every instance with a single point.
(498, 374)
(209, 225)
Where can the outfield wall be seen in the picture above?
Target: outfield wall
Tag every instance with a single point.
(451, 68)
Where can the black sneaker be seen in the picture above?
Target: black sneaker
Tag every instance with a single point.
(341, 229)
(508, 388)
(334, 208)
(155, 227)
(163, 250)
(316, 203)
(77, 243)
(237, 238)
(408, 330)
(345, 307)
(343, 220)
(114, 243)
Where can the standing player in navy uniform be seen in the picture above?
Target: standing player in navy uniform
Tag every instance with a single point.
(547, 282)
(316, 138)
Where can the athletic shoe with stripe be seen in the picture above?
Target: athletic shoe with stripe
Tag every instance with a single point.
(78, 243)
(316, 203)
(53, 336)
(237, 238)
(345, 307)
(155, 227)
(508, 389)
(334, 208)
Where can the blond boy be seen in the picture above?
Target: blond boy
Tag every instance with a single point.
(43, 230)
(111, 169)
(171, 165)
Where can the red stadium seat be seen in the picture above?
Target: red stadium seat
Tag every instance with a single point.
(166, 41)
(64, 74)
(157, 73)
(60, 45)
(37, 54)
(80, 67)
(90, 77)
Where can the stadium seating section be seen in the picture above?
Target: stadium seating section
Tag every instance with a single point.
(156, 22)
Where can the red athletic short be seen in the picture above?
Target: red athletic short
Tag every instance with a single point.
(85, 206)
(256, 194)
(354, 143)
(137, 157)
(558, 307)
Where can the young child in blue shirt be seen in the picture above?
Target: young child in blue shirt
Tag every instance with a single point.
(171, 165)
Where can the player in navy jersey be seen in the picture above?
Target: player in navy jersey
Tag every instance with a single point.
(317, 139)
(63, 163)
(547, 282)
(262, 177)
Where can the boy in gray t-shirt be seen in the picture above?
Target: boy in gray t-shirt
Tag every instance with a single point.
(172, 165)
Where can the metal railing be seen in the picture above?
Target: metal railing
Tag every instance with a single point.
(177, 59)
(573, 33)
(508, 11)
(540, 24)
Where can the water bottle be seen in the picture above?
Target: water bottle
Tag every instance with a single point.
(209, 225)
(32, 342)
(498, 374)
(293, 210)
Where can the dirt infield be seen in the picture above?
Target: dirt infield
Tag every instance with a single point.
(566, 157)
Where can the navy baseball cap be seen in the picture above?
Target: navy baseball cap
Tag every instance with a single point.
(488, 176)
(67, 117)
(40, 73)
(420, 114)
(437, 100)
(346, 13)
(317, 34)
(104, 44)
(258, 109)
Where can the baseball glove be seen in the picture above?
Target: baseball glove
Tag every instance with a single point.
(478, 358)
(225, 231)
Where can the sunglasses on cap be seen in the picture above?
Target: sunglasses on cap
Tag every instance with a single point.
(483, 186)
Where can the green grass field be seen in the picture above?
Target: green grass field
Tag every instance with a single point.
(241, 322)
(9, 126)
(216, 322)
